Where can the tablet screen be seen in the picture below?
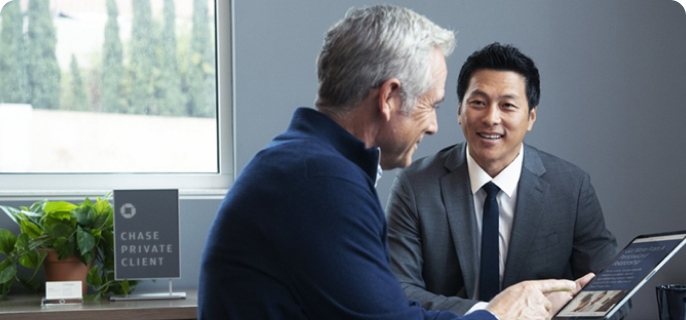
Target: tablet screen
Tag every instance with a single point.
(636, 263)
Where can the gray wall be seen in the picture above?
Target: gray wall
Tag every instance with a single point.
(613, 78)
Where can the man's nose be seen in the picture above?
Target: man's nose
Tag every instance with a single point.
(433, 123)
(492, 116)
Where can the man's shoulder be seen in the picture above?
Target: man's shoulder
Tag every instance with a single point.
(307, 155)
(437, 163)
(554, 166)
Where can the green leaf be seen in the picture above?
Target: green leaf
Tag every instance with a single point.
(109, 223)
(22, 242)
(100, 221)
(41, 257)
(59, 230)
(58, 245)
(64, 247)
(7, 271)
(83, 215)
(87, 258)
(58, 206)
(38, 206)
(7, 241)
(103, 206)
(101, 215)
(93, 278)
(87, 202)
(61, 215)
(59, 219)
(4, 289)
(10, 212)
(30, 229)
(97, 233)
(85, 240)
(29, 259)
(125, 286)
(33, 284)
(108, 237)
(26, 214)
(92, 297)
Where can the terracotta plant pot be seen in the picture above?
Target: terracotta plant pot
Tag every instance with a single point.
(69, 269)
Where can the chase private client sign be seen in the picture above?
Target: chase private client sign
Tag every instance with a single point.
(146, 234)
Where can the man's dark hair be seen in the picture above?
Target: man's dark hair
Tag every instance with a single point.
(501, 58)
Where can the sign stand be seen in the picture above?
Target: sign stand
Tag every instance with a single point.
(152, 296)
(46, 303)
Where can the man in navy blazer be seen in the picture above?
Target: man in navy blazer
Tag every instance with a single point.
(549, 224)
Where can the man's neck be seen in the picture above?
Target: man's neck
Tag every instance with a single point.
(361, 121)
(494, 168)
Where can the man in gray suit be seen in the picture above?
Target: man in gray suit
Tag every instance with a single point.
(547, 221)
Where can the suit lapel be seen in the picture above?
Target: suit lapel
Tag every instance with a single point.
(531, 195)
(458, 200)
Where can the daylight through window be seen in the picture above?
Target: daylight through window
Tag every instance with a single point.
(108, 86)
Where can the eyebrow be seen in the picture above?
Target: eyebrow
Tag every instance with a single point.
(505, 96)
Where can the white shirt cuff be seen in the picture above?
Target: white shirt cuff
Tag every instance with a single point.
(478, 306)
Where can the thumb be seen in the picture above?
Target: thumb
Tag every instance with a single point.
(583, 281)
(547, 286)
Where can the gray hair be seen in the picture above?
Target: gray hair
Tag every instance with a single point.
(373, 44)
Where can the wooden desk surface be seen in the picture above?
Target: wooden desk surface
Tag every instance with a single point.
(21, 307)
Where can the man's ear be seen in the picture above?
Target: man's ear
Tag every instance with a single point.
(459, 113)
(389, 97)
(532, 118)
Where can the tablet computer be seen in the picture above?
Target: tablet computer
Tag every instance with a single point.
(629, 270)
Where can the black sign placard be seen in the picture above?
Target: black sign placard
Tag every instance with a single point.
(146, 234)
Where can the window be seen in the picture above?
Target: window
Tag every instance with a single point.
(115, 94)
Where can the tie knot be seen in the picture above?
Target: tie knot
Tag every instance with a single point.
(491, 190)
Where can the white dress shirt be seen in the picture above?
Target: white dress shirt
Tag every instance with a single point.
(507, 180)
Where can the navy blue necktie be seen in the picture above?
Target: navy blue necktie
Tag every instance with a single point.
(489, 277)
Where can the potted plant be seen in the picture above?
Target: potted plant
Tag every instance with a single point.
(83, 231)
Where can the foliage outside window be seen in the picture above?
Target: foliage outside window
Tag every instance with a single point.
(152, 66)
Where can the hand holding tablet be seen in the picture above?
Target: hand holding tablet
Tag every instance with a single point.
(630, 270)
(510, 303)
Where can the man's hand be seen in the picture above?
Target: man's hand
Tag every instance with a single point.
(560, 298)
(527, 300)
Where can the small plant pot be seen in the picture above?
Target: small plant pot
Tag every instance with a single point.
(69, 269)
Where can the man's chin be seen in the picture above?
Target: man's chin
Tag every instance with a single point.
(406, 162)
(396, 163)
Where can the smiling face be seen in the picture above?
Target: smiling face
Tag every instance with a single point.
(494, 115)
(398, 138)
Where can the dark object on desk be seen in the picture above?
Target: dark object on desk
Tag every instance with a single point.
(671, 301)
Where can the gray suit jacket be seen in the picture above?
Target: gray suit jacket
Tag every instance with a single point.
(558, 229)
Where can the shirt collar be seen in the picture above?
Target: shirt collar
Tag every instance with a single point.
(506, 180)
(379, 170)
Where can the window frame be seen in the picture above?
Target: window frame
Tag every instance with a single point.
(194, 184)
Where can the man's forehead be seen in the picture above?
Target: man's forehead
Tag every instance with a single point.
(498, 79)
